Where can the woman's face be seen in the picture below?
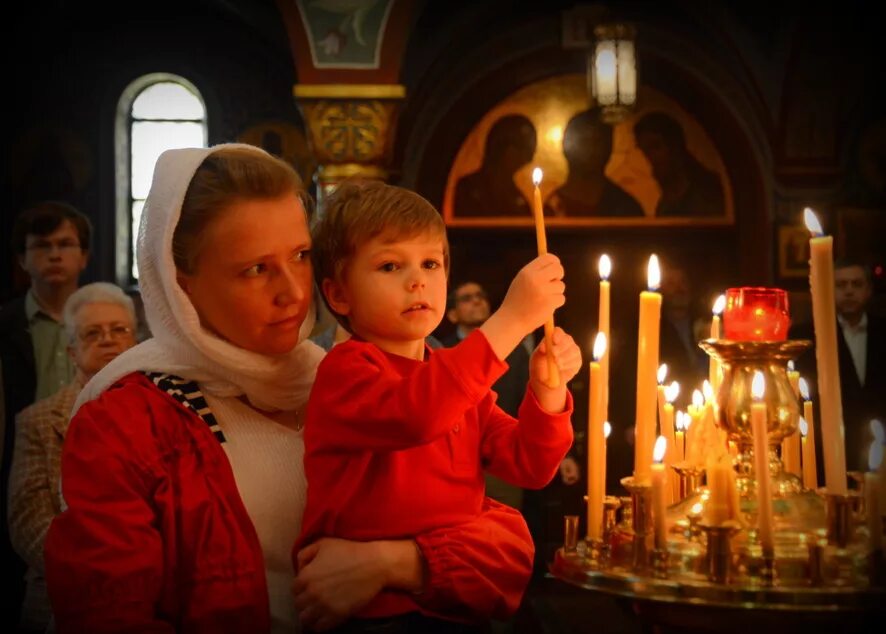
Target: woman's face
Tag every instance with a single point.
(252, 282)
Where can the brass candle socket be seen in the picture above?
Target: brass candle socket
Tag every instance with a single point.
(690, 479)
(641, 504)
(610, 510)
(570, 532)
(840, 523)
(718, 556)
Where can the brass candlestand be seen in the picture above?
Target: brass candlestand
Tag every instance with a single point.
(820, 561)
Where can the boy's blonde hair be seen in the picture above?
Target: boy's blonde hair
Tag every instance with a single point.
(227, 176)
(359, 210)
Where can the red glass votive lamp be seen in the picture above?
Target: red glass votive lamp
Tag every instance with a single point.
(756, 314)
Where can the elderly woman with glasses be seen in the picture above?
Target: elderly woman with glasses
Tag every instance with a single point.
(100, 322)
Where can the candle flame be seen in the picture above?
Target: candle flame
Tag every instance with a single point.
(599, 346)
(662, 373)
(604, 266)
(661, 445)
(672, 392)
(804, 427)
(758, 386)
(697, 508)
(687, 421)
(697, 398)
(812, 223)
(791, 366)
(719, 305)
(536, 176)
(804, 388)
(678, 421)
(875, 456)
(653, 273)
(878, 431)
(708, 391)
(607, 429)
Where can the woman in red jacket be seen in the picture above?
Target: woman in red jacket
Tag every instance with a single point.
(182, 469)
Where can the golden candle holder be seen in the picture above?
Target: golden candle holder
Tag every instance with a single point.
(611, 505)
(819, 561)
(689, 478)
(570, 532)
(719, 551)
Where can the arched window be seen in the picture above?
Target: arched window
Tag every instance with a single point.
(156, 112)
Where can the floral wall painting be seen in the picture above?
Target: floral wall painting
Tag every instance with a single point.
(658, 167)
(345, 34)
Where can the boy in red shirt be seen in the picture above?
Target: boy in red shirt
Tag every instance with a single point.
(397, 436)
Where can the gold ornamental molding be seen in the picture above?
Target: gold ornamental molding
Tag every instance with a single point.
(350, 131)
(349, 91)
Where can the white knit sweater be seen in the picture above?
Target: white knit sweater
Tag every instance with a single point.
(268, 463)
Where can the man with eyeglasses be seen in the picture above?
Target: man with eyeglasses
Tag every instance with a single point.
(100, 324)
(51, 242)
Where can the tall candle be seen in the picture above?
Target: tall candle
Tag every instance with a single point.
(821, 282)
(605, 268)
(667, 430)
(761, 463)
(659, 494)
(647, 364)
(790, 453)
(660, 376)
(713, 364)
(692, 427)
(542, 241)
(680, 434)
(794, 379)
(872, 486)
(810, 478)
(809, 415)
(596, 442)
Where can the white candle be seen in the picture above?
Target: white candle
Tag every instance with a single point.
(553, 379)
(605, 269)
(821, 282)
(809, 416)
(714, 365)
(659, 494)
(647, 362)
(759, 424)
(596, 445)
(872, 486)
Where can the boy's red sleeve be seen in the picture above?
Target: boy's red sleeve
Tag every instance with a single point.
(525, 452)
(478, 570)
(360, 401)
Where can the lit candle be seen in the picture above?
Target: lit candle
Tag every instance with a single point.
(647, 363)
(680, 434)
(790, 454)
(808, 415)
(596, 445)
(713, 364)
(821, 282)
(692, 427)
(759, 424)
(810, 479)
(605, 268)
(541, 239)
(659, 493)
(660, 376)
(607, 429)
(872, 494)
(794, 379)
(667, 430)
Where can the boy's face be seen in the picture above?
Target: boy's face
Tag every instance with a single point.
(55, 259)
(393, 292)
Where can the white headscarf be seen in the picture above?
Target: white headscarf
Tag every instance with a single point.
(180, 345)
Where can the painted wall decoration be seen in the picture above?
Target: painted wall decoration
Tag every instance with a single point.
(345, 33)
(657, 167)
(284, 140)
